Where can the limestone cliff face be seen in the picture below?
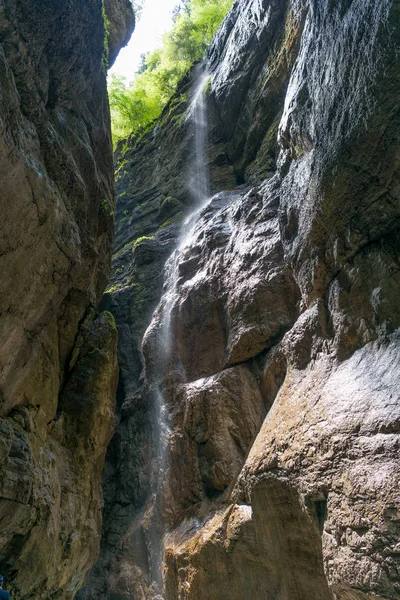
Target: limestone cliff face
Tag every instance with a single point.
(58, 369)
(257, 451)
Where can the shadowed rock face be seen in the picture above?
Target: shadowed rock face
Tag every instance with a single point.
(58, 369)
(258, 456)
(120, 24)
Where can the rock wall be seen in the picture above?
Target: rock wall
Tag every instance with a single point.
(58, 368)
(258, 457)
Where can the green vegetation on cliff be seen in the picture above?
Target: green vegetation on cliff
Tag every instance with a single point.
(135, 106)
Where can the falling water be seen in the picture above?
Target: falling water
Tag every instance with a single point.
(199, 180)
(199, 189)
(199, 192)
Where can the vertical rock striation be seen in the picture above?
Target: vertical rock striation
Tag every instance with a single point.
(58, 368)
(259, 457)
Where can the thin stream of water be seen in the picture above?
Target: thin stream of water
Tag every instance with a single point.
(199, 190)
(199, 179)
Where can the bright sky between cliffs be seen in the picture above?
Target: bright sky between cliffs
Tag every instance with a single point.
(154, 21)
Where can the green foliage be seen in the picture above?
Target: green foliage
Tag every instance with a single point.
(140, 240)
(105, 206)
(132, 109)
(135, 106)
(114, 288)
(106, 36)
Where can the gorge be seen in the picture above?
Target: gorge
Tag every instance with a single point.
(255, 288)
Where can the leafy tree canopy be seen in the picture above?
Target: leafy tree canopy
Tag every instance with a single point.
(135, 106)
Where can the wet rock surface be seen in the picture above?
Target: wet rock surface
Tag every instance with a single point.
(58, 369)
(256, 454)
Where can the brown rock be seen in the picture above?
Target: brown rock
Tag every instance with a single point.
(281, 303)
(57, 355)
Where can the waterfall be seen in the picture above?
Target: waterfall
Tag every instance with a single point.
(199, 179)
(160, 328)
(199, 190)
